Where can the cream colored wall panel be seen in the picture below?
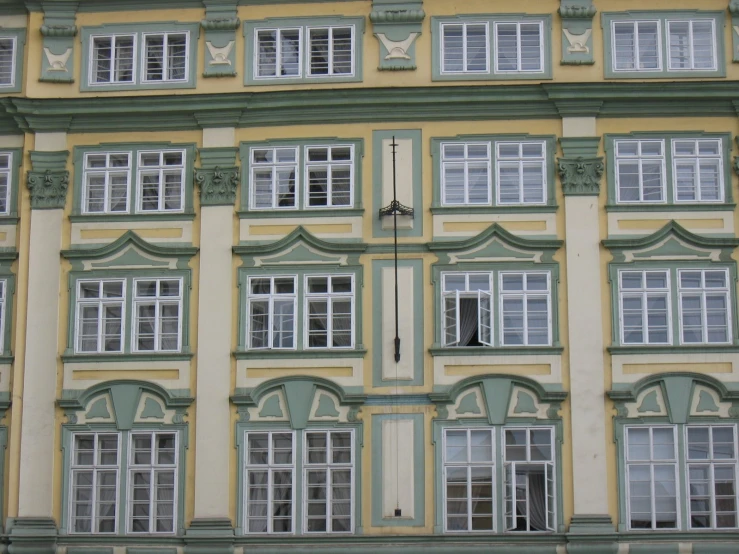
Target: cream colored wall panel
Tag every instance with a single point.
(403, 369)
(397, 474)
(404, 178)
(465, 226)
(75, 373)
(219, 137)
(275, 229)
(629, 368)
(645, 223)
(319, 367)
(12, 141)
(578, 127)
(543, 368)
(51, 142)
(153, 231)
(8, 236)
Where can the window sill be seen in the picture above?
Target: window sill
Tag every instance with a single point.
(545, 75)
(718, 207)
(250, 81)
(466, 210)
(11, 219)
(123, 87)
(496, 351)
(6, 359)
(315, 212)
(70, 357)
(671, 349)
(665, 74)
(299, 354)
(158, 216)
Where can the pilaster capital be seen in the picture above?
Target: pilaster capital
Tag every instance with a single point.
(58, 29)
(48, 180)
(580, 176)
(734, 7)
(577, 9)
(217, 185)
(577, 31)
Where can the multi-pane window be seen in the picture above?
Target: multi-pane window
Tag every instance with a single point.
(3, 315)
(323, 51)
(327, 175)
(100, 315)
(106, 181)
(271, 309)
(692, 45)
(698, 170)
(464, 48)
(659, 465)
(270, 481)
(519, 47)
(328, 482)
(636, 46)
(161, 177)
(139, 58)
(7, 61)
(704, 306)
(521, 302)
(645, 307)
(157, 315)
(6, 178)
(329, 307)
(520, 173)
(640, 170)
(165, 57)
(529, 480)
(106, 485)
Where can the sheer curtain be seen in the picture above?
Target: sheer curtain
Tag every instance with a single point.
(164, 502)
(468, 321)
(537, 499)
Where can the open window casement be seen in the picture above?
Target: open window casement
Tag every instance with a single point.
(451, 319)
(485, 317)
(529, 496)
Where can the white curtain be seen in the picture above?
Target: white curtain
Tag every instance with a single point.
(537, 500)
(468, 321)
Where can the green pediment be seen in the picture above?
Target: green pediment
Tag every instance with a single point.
(672, 242)
(495, 244)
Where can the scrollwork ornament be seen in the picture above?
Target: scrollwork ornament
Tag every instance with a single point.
(243, 413)
(71, 418)
(179, 417)
(442, 411)
(353, 415)
(553, 411)
(217, 185)
(581, 176)
(48, 188)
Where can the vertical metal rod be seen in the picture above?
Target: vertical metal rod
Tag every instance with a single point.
(395, 236)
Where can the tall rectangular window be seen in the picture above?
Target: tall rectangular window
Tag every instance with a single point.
(467, 304)
(273, 178)
(521, 172)
(692, 45)
(278, 52)
(636, 46)
(165, 57)
(525, 310)
(329, 308)
(270, 482)
(331, 51)
(529, 480)
(7, 61)
(152, 478)
(100, 315)
(329, 481)
(652, 480)
(271, 309)
(645, 307)
(698, 170)
(465, 169)
(469, 477)
(640, 170)
(329, 176)
(161, 177)
(105, 182)
(519, 47)
(157, 315)
(112, 59)
(704, 306)
(6, 178)
(464, 48)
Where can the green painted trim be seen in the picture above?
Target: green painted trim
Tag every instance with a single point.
(313, 353)
(577, 20)
(89, 550)
(206, 535)
(471, 210)
(545, 19)
(125, 357)
(389, 248)
(138, 29)
(19, 36)
(303, 214)
(250, 28)
(399, 24)
(616, 350)
(6, 353)
(144, 550)
(16, 161)
(301, 210)
(551, 149)
(628, 392)
(49, 180)
(496, 232)
(497, 351)
(669, 204)
(130, 238)
(607, 18)
(419, 493)
(671, 208)
(133, 193)
(32, 535)
(544, 393)
(415, 135)
(300, 234)
(418, 323)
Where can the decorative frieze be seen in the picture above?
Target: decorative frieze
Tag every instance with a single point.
(48, 180)
(577, 32)
(397, 25)
(58, 30)
(580, 169)
(218, 176)
(220, 26)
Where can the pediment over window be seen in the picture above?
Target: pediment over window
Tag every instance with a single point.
(495, 244)
(672, 242)
(299, 400)
(300, 248)
(130, 251)
(677, 396)
(124, 403)
(498, 399)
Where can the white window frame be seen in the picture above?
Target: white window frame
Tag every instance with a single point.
(521, 160)
(278, 53)
(466, 162)
(644, 292)
(153, 468)
(524, 295)
(518, 69)
(3, 311)
(86, 171)
(329, 467)
(467, 293)
(635, 26)
(157, 301)
(550, 466)
(270, 467)
(275, 167)
(329, 165)
(696, 160)
(94, 468)
(690, 23)
(165, 58)
(134, 66)
(702, 292)
(639, 159)
(162, 169)
(468, 464)
(13, 61)
(675, 462)
(8, 174)
(442, 45)
(270, 298)
(100, 302)
(329, 297)
(308, 46)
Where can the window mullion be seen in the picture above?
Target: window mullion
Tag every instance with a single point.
(519, 49)
(691, 52)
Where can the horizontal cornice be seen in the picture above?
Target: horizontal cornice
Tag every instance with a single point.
(358, 105)
(19, 6)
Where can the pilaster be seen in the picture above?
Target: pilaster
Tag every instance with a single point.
(58, 30)
(577, 31)
(397, 25)
(220, 26)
